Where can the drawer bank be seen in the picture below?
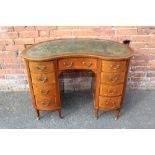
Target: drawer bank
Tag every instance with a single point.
(108, 61)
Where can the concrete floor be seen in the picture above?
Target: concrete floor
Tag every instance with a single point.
(138, 111)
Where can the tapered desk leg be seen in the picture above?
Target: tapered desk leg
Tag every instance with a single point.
(117, 113)
(60, 114)
(37, 114)
(97, 113)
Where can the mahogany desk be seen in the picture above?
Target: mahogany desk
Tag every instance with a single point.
(108, 61)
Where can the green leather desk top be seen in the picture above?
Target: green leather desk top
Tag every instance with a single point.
(77, 46)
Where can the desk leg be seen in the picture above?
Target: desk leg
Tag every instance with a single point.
(60, 114)
(117, 113)
(37, 114)
(97, 113)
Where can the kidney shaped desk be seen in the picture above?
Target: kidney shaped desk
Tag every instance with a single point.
(108, 61)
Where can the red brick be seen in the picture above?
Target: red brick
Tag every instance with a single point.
(44, 33)
(6, 41)
(2, 71)
(28, 34)
(137, 79)
(67, 27)
(11, 66)
(2, 47)
(140, 74)
(9, 42)
(24, 41)
(14, 60)
(126, 32)
(24, 28)
(14, 71)
(137, 45)
(106, 32)
(42, 39)
(60, 33)
(89, 27)
(125, 27)
(2, 42)
(138, 63)
(85, 33)
(7, 54)
(139, 68)
(146, 31)
(9, 35)
(106, 27)
(6, 28)
(142, 38)
(14, 47)
(45, 27)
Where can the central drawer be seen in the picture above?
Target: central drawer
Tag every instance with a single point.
(77, 63)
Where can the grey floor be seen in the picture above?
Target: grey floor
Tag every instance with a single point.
(138, 111)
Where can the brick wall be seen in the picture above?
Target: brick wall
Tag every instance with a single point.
(13, 39)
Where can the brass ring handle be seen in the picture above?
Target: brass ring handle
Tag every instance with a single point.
(40, 68)
(68, 64)
(43, 79)
(106, 103)
(88, 64)
(114, 66)
(44, 91)
(113, 79)
(46, 102)
(112, 91)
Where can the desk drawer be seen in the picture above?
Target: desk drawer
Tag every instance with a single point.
(43, 79)
(41, 67)
(45, 91)
(113, 66)
(77, 63)
(106, 90)
(109, 103)
(45, 103)
(112, 78)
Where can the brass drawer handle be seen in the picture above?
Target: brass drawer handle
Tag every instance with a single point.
(106, 103)
(114, 66)
(40, 68)
(113, 79)
(44, 91)
(113, 104)
(46, 102)
(68, 64)
(112, 91)
(88, 64)
(42, 79)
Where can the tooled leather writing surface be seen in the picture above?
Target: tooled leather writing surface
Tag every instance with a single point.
(67, 46)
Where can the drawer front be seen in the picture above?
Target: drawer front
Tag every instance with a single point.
(113, 66)
(106, 90)
(77, 63)
(46, 103)
(112, 78)
(43, 79)
(109, 103)
(41, 67)
(45, 91)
